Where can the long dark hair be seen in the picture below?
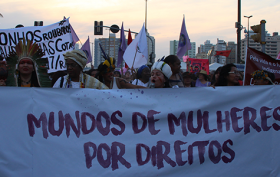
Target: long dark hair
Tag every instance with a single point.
(171, 59)
(213, 80)
(102, 69)
(34, 80)
(224, 73)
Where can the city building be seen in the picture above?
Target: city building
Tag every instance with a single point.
(201, 56)
(220, 46)
(77, 46)
(111, 47)
(233, 55)
(206, 47)
(191, 53)
(272, 46)
(151, 48)
(174, 46)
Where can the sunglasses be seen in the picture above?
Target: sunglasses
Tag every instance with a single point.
(23, 61)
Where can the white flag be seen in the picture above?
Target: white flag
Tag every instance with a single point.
(137, 51)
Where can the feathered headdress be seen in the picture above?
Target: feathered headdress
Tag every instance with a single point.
(261, 74)
(109, 61)
(32, 51)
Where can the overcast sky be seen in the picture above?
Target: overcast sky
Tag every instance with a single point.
(205, 19)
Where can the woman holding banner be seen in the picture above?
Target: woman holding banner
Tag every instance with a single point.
(161, 72)
(76, 60)
(229, 76)
(143, 76)
(26, 67)
(262, 77)
(201, 81)
(106, 75)
(176, 78)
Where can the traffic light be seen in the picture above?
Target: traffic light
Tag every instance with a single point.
(38, 23)
(98, 28)
(260, 32)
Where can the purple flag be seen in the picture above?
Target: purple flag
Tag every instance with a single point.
(74, 35)
(184, 41)
(122, 47)
(86, 49)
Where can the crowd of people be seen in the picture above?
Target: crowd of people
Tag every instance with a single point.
(26, 68)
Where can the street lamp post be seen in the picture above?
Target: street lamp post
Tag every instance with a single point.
(248, 31)
(146, 17)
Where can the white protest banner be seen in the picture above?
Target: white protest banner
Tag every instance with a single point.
(226, 131)
(54, 40)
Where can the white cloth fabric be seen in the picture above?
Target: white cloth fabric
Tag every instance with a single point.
(115, 86)
(64, 85)
(90, 82)
(139, 82)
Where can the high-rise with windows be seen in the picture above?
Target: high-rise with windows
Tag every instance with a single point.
(174, 47)
(272, 46)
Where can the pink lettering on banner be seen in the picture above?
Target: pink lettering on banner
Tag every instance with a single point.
(178, 153)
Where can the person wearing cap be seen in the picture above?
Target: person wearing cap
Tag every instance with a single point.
(143, 76)
(176, 78)
(201, 81)
(187, 76)
(262, 77)
(161, 72)
(75, 62)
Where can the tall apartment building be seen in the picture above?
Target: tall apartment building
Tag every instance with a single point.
(220, 46)
(272, 46)
(206, 47)
(174, 47)
(151, 47)
(111, 47)
(77, 46)
(233, 55)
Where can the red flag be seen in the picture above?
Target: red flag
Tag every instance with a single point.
(223, 53)
(129, 40)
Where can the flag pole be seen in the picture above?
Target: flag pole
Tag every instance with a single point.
(134, 59)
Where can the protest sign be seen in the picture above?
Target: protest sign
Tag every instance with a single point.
(143, 132)
(198, 65)
(54, 40)
(257, 60)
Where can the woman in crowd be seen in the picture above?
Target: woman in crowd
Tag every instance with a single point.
(106, 75)
(187, 76)
(229, 76)
(201, 81)
(216, 75)
(117, 74)
(161, 72)
(262, 77)
(92, 72)
(26, 67)
(143, 76)
(128, 76)
(175, 65)
(75, 62)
